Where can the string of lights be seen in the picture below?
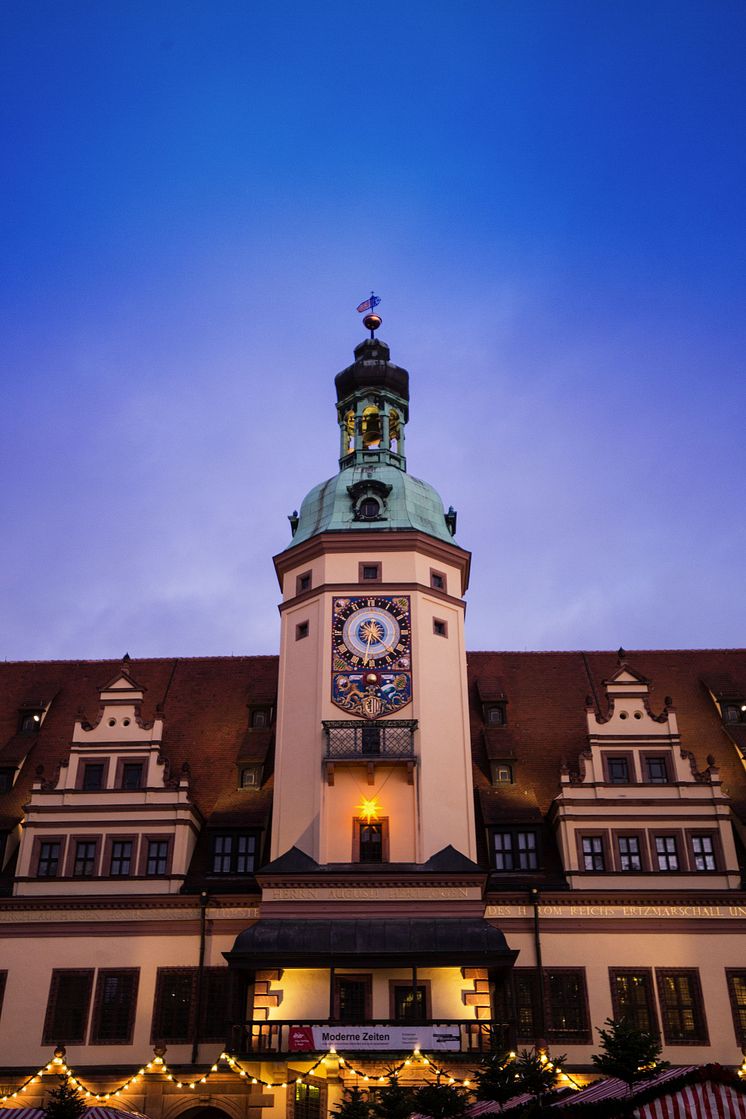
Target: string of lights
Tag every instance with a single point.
(58, 1066)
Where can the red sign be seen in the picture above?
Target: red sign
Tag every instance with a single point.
(300, 1039)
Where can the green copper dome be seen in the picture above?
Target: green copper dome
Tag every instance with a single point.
(334, 506)
(372, 490)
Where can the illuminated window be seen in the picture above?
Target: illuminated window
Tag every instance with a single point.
(632, 998)
(737, 992)
(30, 721)
(502, 773)
(410, 1003)
(251, 776)
(306, 1101)
(681, 1006)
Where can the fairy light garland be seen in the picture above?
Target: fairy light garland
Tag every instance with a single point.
(158, 1065)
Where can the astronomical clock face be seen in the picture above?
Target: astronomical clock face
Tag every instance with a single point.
(371, 655)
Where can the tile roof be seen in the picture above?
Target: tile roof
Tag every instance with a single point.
(205, 706)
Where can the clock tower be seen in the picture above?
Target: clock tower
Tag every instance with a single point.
(373, 755)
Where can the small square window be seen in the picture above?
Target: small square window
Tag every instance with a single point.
(132, 773)
(93, 776)
(618, 771)
(437, 580)
(303, 582)
(656, 770)
(369, 572)
(440, 628)
(301, 631)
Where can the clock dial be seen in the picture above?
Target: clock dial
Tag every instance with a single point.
(371, 654)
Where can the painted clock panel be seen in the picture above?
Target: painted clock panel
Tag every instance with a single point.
(371, 655)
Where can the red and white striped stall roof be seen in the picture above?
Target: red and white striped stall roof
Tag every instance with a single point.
(613, 1089)
(709, 1100)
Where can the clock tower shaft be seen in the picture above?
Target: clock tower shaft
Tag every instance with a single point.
(373, 753)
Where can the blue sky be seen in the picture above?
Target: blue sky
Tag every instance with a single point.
(549, 199)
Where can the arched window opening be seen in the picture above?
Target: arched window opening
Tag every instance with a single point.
(371, 428)
(394, 429)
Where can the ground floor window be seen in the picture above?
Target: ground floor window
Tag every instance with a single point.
(353, 998)
(306, 1102)
(114, 1007)
(176, 998)
(682, 1010)
(565, 1011)
(68, 1004)
(737, 992)
(632, 997)
(410, 1003)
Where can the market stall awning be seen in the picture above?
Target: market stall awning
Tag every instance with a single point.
(377, 942)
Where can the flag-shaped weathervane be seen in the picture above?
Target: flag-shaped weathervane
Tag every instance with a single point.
(369, 304)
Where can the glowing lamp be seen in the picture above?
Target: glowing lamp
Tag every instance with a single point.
(369, 810)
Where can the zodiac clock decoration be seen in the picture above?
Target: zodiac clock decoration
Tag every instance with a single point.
(371, 655)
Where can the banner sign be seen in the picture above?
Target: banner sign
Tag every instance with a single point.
(314, 1039)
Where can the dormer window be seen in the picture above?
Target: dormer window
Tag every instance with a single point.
(30, 722)
(502, 773)
(494, 714)
(260, 718)
(7, 777)
(368, 509)
(251, 776)
(734, 712)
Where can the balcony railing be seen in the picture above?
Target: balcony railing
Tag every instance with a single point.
(284, 1037)
(392, 739)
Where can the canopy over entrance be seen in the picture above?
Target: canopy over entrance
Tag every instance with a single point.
(378, 942)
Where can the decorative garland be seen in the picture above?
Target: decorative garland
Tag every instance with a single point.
(58, 1066)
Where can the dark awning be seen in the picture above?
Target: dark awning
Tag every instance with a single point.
(379, 942)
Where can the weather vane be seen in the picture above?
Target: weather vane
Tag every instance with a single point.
(371, 321)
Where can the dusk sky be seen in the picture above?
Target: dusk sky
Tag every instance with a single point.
(548, 197)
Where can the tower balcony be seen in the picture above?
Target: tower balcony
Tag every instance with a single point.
(389, 742)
